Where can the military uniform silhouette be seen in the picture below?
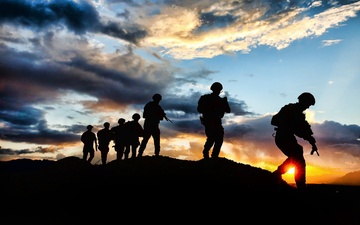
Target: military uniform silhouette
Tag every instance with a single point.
(290, 122)
(119, 137)
(104, 137)
(89, 140)
(153, 114)
(213, 108)
(133, 131)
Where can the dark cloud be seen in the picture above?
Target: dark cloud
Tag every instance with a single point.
(336, 133)
(38, 134)
(80, 75)
(189, 126)
(194, 76)
(20, 116)
(128, 2)
(125, 14)
(238, 131)
(6, 151)
(80, 17)
(211, 21)
(181, 106)
(239, 107)
(131, 34)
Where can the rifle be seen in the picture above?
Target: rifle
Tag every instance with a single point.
(168, 119)
(314, 149)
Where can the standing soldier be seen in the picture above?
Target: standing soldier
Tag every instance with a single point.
(89, 140)
(213, 108)
(104, 137)
(153, 114)
(290, 122)
(133, 131)
(119, 138)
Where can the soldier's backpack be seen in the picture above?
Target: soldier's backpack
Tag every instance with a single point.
(282, 117)
(276, 120)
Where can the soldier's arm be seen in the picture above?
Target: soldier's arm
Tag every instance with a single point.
(200, 105)
(226, 105)
(95, 142)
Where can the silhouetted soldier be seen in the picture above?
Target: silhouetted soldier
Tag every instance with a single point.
(104, 137)
(290, 122)
(133, 131)
(153, 113)
(89, 140)
(119, 138)
(213, 108)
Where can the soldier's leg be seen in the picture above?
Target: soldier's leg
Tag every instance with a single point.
(300, 168)
(103, 157)
(210, 140)
(126, 151)
(156, 138)
(286, 143)
(92, 154)
(133, 151)
(122, 150)
(144, 142)
(285, 166)
(85, 154)
(219, 139)
(117, 150)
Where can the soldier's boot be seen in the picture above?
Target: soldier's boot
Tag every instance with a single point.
(205, 154)
(140, 154)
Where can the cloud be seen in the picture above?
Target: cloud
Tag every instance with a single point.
(79, 17)
(219, 28)
(326, 43)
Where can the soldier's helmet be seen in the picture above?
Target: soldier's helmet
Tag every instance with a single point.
(216, 86)
(156, 97)
(136, 116)
(106, 124)
(89, 127)
(121, 121)
(306, 98)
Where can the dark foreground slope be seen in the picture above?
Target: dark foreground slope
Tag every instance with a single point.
(163, 190)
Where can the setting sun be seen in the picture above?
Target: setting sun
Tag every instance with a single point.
(289, 175)
(291, 170)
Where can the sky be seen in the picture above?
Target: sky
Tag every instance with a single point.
(67, 64)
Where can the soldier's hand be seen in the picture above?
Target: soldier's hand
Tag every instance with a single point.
(314, 149)
(312, 141)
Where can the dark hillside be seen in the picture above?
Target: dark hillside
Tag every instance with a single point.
(163, 190)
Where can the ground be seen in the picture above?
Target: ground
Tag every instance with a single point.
(163, 190)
